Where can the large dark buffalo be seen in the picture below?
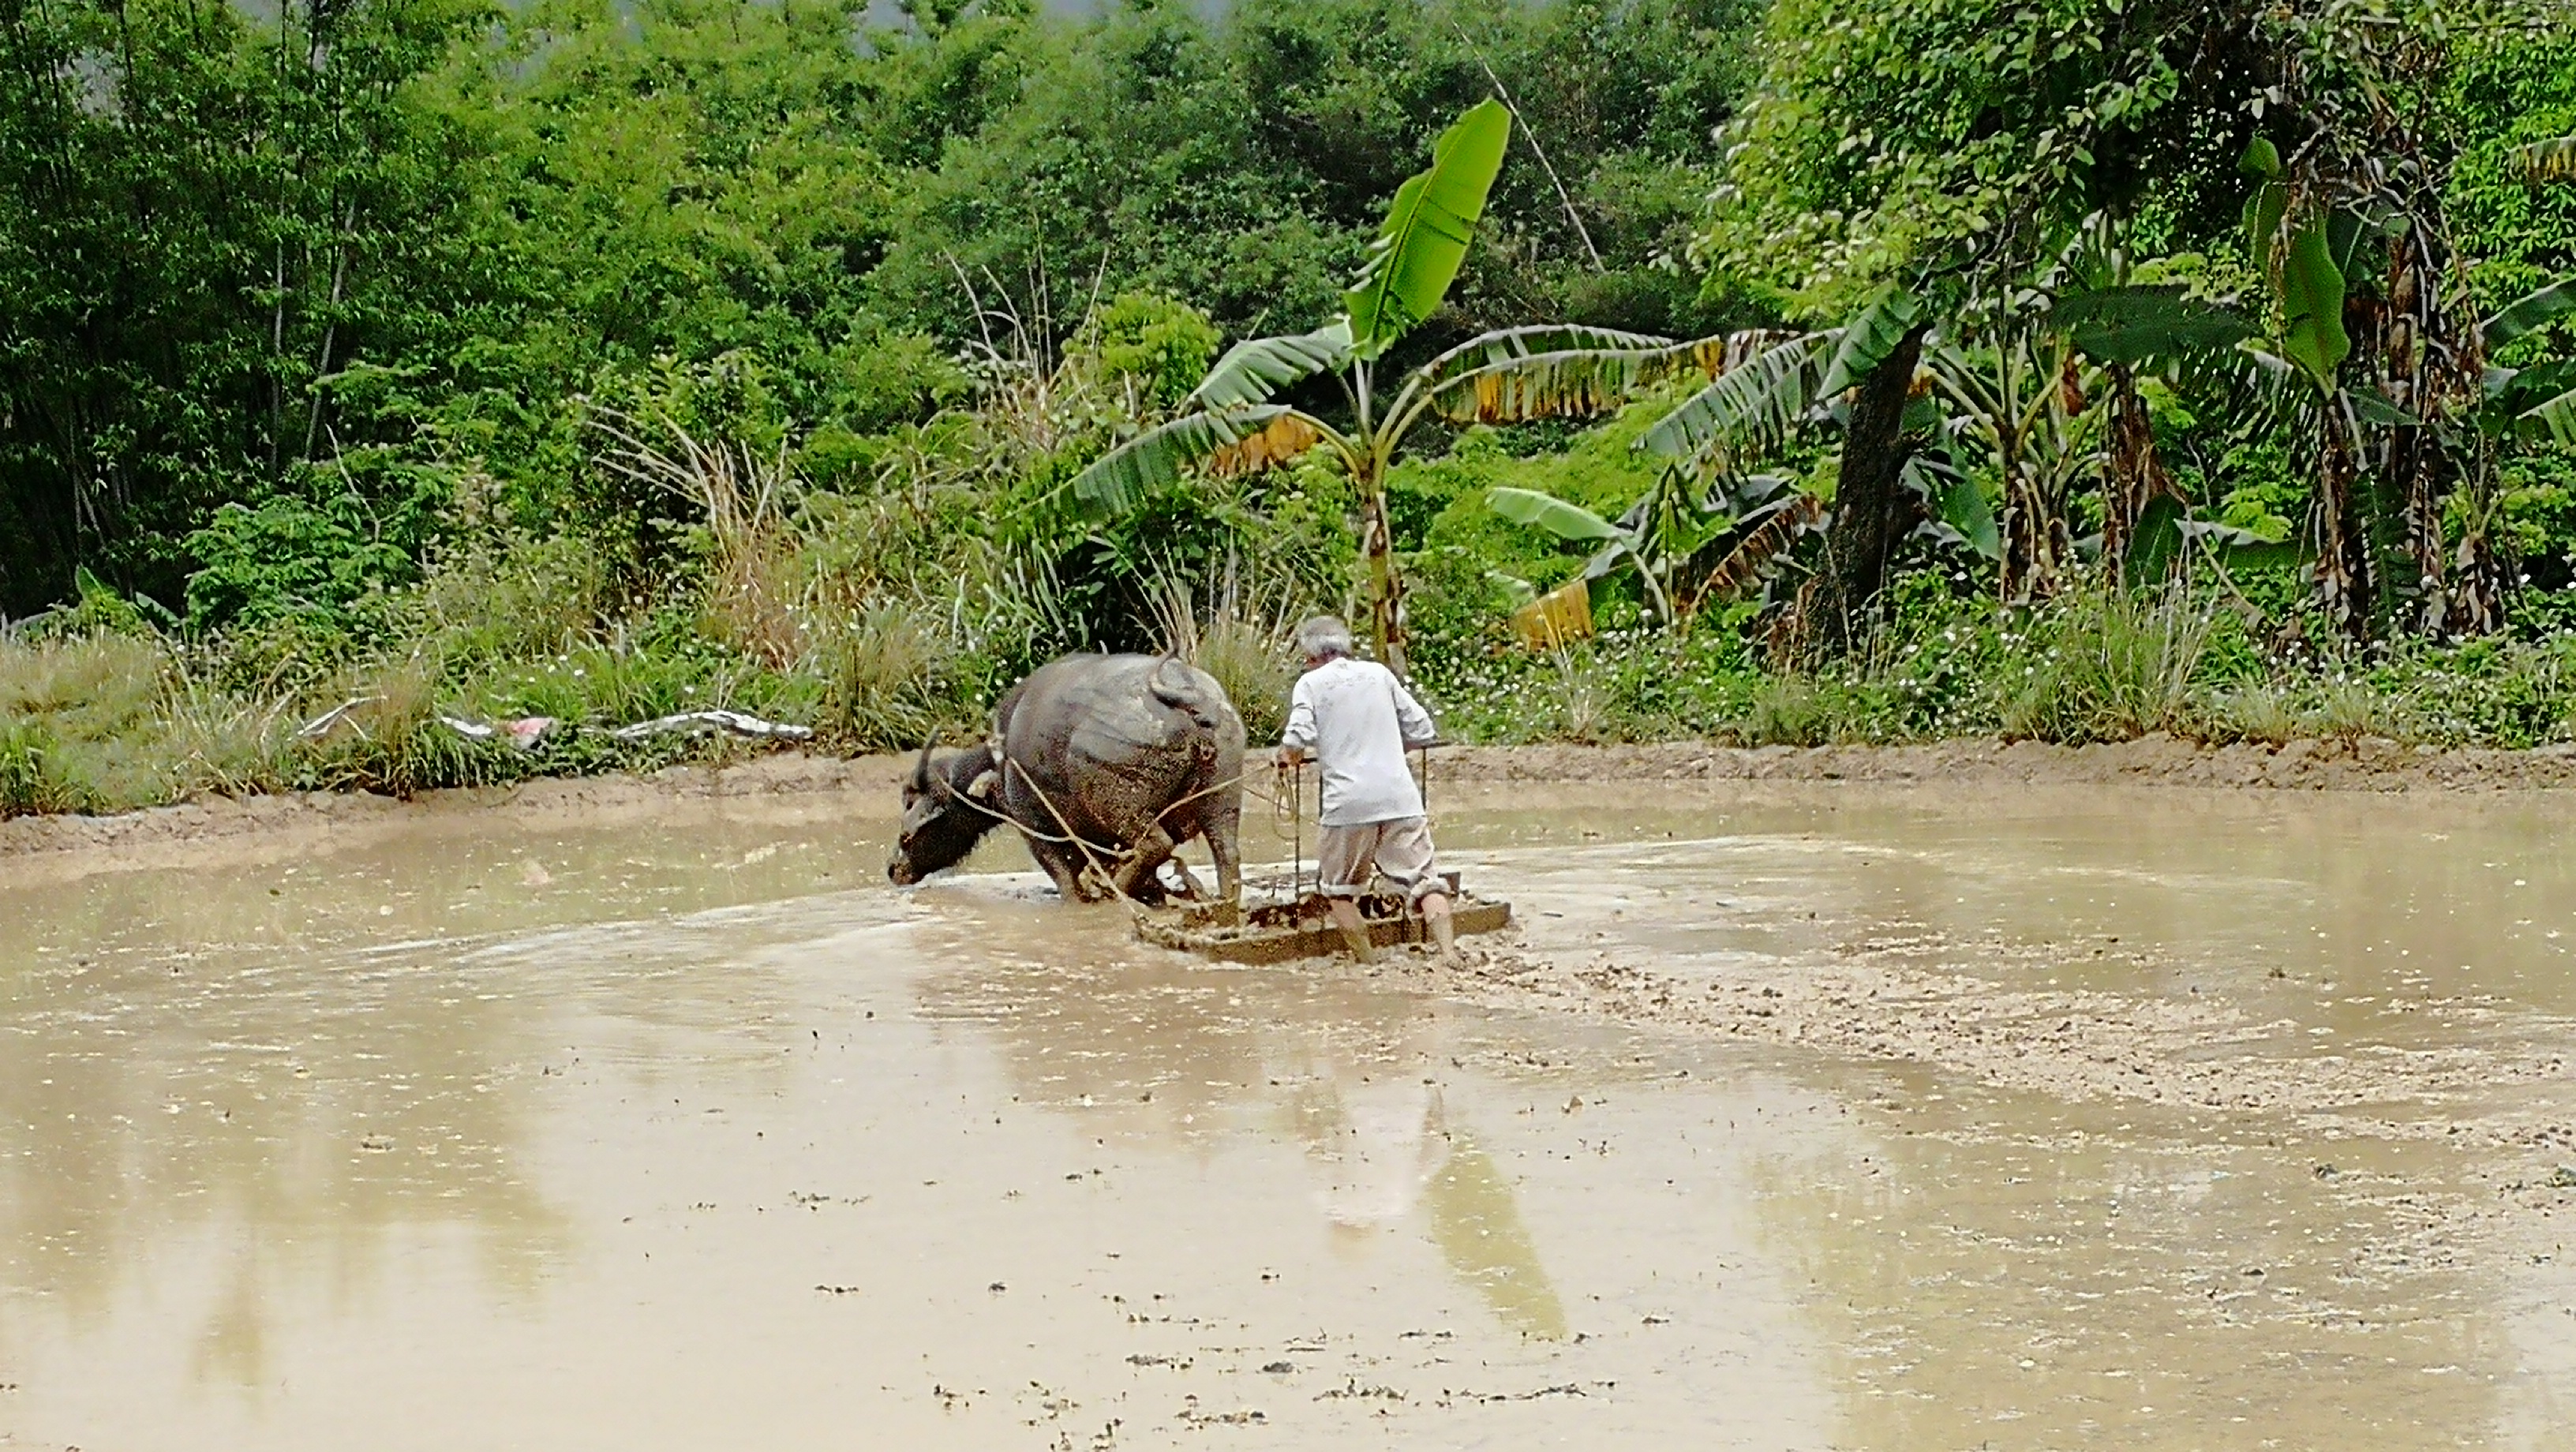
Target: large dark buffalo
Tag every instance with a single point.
(1131, 755)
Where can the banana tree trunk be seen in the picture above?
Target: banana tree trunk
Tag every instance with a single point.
(2135, 476)
(2432, 366)
(2036, 541)
(2479, 578)
(2345, 584)
(1386, 582)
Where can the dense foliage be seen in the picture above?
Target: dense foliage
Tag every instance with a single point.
(358, 249)
(430, 358)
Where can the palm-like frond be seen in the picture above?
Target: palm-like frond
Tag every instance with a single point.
(1504, 345)
(1870, 336)
(1547, 512)
(1573, 383)
(2137, 323)
(2551, 160)
(1761, 547)
(1119, 480)
(1752, 404)
(2553, 419)
(1254, 369)
(1424, 240)
(2531, 312)
(1278, 442)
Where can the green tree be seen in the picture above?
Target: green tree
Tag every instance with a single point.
(1231, 422)
(204, 217)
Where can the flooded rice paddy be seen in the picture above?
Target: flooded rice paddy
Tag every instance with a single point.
(1816, 1116)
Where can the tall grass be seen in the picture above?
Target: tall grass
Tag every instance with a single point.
(2110, 666)
(1240, 634)
(886, 620)
(110, 719)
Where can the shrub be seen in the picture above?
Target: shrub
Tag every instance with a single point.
(2109, 667)
(288, 556)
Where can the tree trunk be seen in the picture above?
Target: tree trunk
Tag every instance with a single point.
(2136, 475)
(1386, 583)
(1871, 513)
(2345, 580)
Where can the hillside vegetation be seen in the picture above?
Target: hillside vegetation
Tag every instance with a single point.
(1874, 369)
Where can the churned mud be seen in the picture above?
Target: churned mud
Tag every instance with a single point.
(298, 821)
(1796, 1113)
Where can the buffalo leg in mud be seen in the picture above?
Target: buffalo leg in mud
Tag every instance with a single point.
(1191, 888)
(1147, 854)
(1064, 863)
(1222, 826)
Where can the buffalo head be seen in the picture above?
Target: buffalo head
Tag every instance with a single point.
(948, 806)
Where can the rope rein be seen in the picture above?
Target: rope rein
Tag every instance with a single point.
(1297, 835)
(1090, 853)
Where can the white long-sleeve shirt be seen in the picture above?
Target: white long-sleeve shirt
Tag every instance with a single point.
(1356, 718)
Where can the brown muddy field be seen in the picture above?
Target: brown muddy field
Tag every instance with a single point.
(1977, 1098)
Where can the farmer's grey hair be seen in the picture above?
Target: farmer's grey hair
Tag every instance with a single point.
(1322, 637)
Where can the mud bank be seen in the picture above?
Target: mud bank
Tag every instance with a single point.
(2373, 764)
(784, 781)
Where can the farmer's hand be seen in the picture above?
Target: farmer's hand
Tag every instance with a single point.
(1289, 756)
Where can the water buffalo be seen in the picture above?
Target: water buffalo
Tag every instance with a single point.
(1131, 755)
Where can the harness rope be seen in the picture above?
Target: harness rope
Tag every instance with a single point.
(1090, 853)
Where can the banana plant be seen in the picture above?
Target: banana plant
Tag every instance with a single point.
(1661, 535)
(2535, 403)
(1234, 423)
(1711, 526)
(2551, 160)
(1765, 385)
(1623, 542)
(1687, 547)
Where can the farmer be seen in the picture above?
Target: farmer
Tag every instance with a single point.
(1356, 719)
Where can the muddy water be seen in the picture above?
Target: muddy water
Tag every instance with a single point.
(693, 1134)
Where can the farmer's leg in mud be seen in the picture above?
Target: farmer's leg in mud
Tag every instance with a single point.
(1444, 929)
(1404, 855)
(1344, 857)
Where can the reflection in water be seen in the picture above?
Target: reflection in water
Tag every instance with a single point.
(1373, 1146)
(2017, 1268)
(1188, 1052)
(1478, 1227)
(236, 1088)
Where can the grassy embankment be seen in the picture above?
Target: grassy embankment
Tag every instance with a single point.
(878, 626)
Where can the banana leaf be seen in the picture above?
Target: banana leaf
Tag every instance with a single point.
(2135, 324)
(1121, 479)
(1254, 369)
(2531, 312)
(1873, 333)
(1547, 512)
(1424, 240)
